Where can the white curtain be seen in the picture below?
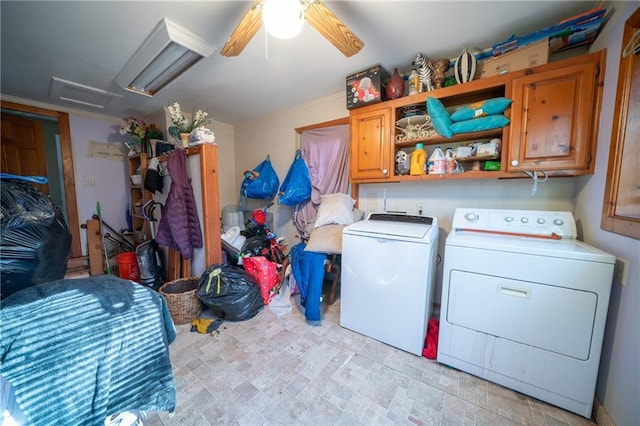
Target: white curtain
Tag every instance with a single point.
(326, 153)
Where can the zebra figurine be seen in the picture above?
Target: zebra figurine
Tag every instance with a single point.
(425, 73)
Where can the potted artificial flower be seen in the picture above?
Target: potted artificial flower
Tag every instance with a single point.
(137, 129)
(182, 127)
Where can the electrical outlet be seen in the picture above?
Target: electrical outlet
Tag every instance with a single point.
(372, 202)
(620, 272)
(91, 181)
(420, 208)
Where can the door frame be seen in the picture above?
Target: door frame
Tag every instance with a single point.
(66, 152)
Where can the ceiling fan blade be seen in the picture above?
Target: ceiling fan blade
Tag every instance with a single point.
(332, 28)
(244, 32)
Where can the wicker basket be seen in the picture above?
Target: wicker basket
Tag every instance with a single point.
(181, 299)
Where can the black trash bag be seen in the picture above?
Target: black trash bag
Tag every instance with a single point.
(35, 241)
(230, 292)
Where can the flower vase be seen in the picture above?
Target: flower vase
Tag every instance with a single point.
(184, 138)
(395, 85)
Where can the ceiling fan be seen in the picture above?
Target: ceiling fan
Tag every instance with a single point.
(315, 13)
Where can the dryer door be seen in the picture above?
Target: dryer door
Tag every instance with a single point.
(552, 318)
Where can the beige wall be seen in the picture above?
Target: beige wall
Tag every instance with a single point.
(226, 162)
(618, 386)
(275, 135)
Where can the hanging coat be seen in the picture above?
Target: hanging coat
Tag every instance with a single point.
(179, 227)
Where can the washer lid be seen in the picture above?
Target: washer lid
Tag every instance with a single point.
(396, 225)
(565, 248)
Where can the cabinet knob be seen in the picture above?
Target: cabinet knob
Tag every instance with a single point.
(385, 171)
(514, 163)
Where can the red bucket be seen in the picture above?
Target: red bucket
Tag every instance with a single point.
(128, 266)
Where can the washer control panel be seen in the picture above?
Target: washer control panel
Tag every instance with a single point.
(519, 222)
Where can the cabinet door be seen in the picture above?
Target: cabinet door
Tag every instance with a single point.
(370, 144)
(552, 119)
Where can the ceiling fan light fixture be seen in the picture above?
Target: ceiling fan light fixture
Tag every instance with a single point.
(283, 18)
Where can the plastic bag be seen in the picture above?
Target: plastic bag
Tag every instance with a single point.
(262, 182)
(296, 187)
(230, 292)
(35, 240)
(266, 273)
(259, 241)
(148, 259)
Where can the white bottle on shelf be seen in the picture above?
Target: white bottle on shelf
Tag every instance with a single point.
(451, 162)
(438, 161)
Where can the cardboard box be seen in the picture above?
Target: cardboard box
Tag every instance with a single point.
(366, 87)
(523, 57)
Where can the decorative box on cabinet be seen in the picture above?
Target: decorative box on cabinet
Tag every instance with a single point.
(554, 120)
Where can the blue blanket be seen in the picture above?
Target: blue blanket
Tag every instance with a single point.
(308, 270)
(76, 351)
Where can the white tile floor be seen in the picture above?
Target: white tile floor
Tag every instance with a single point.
(272, 370)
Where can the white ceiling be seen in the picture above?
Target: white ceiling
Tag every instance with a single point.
(88, 42)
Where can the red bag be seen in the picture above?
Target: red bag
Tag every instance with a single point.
(265, 272)
(430, 350)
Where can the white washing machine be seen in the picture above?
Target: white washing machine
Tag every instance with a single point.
(524, 304)
(387, 281)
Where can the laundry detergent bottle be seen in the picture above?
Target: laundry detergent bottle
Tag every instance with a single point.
(451, 162)
(418, 158)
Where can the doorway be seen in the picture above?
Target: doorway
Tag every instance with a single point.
(29, 161)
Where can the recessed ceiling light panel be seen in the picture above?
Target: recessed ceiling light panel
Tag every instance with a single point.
(168, 52)
(77, 93)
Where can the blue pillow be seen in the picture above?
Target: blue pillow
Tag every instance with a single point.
(439, 117)
(479, 124)
(480, 109)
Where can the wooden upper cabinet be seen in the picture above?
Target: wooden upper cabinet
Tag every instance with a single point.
(553, 127)
(370, 129)
(554, 117)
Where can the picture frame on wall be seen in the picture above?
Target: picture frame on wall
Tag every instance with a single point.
(621, 206)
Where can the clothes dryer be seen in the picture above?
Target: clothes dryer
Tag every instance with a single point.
(524, 304)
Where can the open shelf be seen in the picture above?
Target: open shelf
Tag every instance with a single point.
(461, 137)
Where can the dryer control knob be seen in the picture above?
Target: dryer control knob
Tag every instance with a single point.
(541, 221)
(471, 217)
(558, 222)
(524, 220)
(508, 219)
